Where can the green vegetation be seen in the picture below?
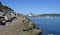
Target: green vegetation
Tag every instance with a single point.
(4, 7)
(51, 15)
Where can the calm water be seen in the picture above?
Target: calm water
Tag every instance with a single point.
(49, 25)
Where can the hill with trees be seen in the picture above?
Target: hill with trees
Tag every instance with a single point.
(51, 15)
(2, 7)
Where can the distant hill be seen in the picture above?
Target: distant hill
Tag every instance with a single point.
(52, 15)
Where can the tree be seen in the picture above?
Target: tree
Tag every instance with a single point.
(0, 3)
(2, 7)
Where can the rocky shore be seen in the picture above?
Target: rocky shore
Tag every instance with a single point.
(19, 26)
(12, 23)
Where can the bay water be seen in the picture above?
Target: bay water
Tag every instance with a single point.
(48, 26)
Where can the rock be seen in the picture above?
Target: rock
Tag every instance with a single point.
(36, 32)
(3, 23)
(30, 28)
(21, 26)
(24, 29)
(32, 32)
(29, 25)
(1, 13)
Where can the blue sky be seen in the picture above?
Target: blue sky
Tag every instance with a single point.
(34, 6)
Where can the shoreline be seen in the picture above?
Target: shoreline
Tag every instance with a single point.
(38, 31)
(20, 26)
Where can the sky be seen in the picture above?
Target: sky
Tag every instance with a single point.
(34, 6)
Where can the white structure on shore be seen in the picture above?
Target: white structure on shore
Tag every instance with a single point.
(30, 15)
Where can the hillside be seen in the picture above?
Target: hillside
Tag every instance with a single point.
(52, 15)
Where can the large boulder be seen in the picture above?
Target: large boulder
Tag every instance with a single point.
(30, 29)
(1, 13)
(32, 32)
(28, 25)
